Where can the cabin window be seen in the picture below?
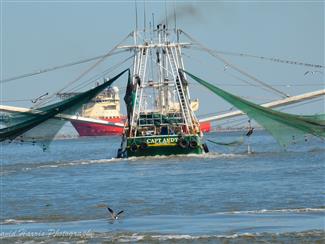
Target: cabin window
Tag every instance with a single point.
(110, 107)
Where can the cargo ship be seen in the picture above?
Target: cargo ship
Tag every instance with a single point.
(105, 106)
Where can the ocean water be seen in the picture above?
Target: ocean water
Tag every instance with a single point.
(225, 196)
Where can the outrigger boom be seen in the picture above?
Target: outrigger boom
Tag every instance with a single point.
(273, 104)
(277, 103)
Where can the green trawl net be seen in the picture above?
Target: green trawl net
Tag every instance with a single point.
(40, 125)
(129, 97)
(285, 128)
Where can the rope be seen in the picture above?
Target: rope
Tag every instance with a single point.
(86, 71)
(240, 120)
(216, 55)
(238, 78)
(15, 100)
(41, 71)
(105, 72)
(278, 60)
(302, 103)
(278, 84)
(82, 85)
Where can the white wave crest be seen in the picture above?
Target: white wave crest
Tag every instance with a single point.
(210, 155)
(266, 211)
(173, 237)
(16, 221)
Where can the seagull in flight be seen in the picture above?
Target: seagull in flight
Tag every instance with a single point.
(39, 98)
(313, 72)
(113, 214)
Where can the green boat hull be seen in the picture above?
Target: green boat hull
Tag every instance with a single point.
(163, 145)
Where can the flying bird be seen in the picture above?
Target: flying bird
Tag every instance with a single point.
(39, 98)
(313, 72)
(113, 214)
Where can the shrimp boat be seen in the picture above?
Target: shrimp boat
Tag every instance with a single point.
(160, 111)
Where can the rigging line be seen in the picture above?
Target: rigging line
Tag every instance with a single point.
(109, 53)
(236, 77)
(175, 17)
(151, 64)
(302, 103)
(167, 70)
(249, 84)
(166, 14)
(212, 53)
(240, 120)
(15, 100)
(97, 76)
(136, 15)
(41, 71)
(104, 73)
(216, 113)
(230, 121)
(264, 86)
(241, 123)
(144, 16)
(278, 60)
(280, 85)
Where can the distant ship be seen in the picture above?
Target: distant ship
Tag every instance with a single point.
(106, 106)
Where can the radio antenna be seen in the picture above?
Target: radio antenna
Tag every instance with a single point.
(175, 15)
(136, 15)
(144, 15)
(166, 14)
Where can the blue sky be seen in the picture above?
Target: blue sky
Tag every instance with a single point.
(36, 35)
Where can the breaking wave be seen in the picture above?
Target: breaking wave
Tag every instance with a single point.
(210, 155)
(242, 237)
(270, 211)
(292, 237)
(16, 221)
(243, 212)
(10, 169)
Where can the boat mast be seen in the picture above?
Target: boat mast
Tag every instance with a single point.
(167, 93)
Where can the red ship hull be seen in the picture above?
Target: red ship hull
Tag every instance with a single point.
(90, 129)
(205, 126)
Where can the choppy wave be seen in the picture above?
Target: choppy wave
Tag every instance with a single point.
(270, 211)
(242, 212)
(16, 221)
(312, 236)
(13, 168)
(209, 155)
(243, 237)
(10, 169)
